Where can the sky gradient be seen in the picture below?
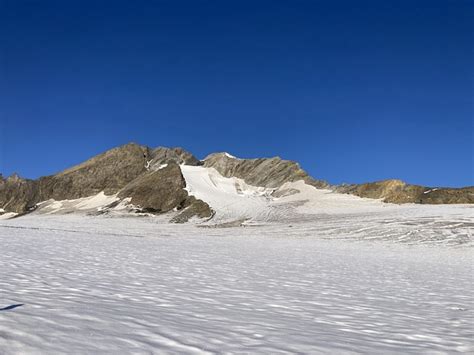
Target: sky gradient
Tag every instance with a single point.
(353, 91)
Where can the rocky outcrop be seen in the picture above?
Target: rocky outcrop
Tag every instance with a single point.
(108, 172)
(448, 195)
(397, 191)
(193, 208)
(266, 172)
(17, 194)
(161, 155)
(131, 171)
(162, 191)
(157, 191)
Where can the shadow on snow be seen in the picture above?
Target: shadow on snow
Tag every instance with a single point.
(13, 306)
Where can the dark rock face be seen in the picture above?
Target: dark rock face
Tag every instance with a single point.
(157, 191)
(17, 194)
(162, 191)
(397, 191)
(193, 208)
(266, 172)
(162, 155)
(124, 170)
(108, 172)
(448, 195)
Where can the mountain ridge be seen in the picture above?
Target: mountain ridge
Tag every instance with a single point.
(152, 180)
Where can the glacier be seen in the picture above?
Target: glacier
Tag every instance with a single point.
(367, 279)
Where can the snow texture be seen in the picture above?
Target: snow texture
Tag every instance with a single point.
(86, 204)
(233, 199)
(376, 280)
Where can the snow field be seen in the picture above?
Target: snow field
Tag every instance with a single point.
(327, 285)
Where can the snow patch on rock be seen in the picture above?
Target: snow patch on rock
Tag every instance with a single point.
(93, 203)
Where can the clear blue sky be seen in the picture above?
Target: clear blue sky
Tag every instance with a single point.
(355, 91)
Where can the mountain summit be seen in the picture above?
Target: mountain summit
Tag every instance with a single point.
(173, 182)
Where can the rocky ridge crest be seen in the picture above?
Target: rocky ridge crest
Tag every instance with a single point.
(397, 191)
(152, 180)
(265, 172)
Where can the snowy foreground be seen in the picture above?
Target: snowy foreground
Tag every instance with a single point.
(395, 281)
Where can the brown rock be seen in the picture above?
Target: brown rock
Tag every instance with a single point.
(17, 194)
(397, 191)
(266, 172)
(108, 172)
(448, 195)
(163, 155)
(162, 191)
(193, 208)
(157, 191)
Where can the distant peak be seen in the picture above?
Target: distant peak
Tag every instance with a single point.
(221, 155)
(229, 155)
(14, 178)
(164, 155)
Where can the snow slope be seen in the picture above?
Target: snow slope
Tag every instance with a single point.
(233, 199)
(87, 204)
(391, 282)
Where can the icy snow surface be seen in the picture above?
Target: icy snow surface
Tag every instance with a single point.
(233, 199)
(397, 280)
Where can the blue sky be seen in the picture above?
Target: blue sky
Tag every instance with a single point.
(354, 91)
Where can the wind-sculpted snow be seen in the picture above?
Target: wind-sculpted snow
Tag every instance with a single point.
(395, 281)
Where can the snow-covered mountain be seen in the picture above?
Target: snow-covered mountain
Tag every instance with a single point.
(317, 271)
(219, 189)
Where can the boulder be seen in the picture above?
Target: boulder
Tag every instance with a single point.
(193, 208)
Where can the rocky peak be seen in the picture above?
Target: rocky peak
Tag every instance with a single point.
(220, 155)
(163, 190)
(138, 172)
(162, 155)
(124, 171)
(266, 172)
(17, 194)
(107, 172)
(130, 155)
(14, 178)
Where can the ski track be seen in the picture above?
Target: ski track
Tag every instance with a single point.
(396, 281)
